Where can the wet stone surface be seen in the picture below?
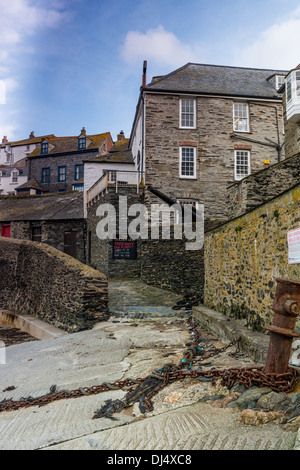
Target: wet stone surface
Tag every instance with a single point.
(11, 336)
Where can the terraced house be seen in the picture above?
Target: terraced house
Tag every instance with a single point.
(201, 127)
(57, 163)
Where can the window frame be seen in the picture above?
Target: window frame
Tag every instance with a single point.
(14, 177)
(81, 173)
(236, 118)
(83, 141)
(236, 176)
(181, 175)
(181, 126)
(44, 148)
(59, 176)
(43, 181)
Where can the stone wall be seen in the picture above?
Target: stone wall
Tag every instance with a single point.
(39, 280)
(215, 148)
(99, 253)
(52, 233)
(292, 133)
(168, 265)
(244, 257)
(262, 186)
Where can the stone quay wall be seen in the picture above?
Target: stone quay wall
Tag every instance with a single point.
(262, 186)
(39, 280)
(244, 257)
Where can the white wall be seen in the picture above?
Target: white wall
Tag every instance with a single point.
(94, 171)
(17, 153)
(7, 186)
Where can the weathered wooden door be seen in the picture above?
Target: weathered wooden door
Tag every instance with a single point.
(5, 230)
(70, 244)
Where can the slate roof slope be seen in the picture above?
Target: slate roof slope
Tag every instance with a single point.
(59, 145)
(218, 80)
(68, 206)
(32, 140)
(113, 157)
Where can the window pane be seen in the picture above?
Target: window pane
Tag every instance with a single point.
(240, 117)
(187, 113)
(242, 164)
(298, 83)
(187, 161)
(289, 89)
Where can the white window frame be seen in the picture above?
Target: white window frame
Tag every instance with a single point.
(237, 176)
(14, 177)
(194, 176)
(181, 126)
(182, 202)
(235, 118)
(279, 85)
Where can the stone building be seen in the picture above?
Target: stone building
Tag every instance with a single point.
(57, 163)
(54, 219)
(12, 152)
(290, 91)
(200, 128)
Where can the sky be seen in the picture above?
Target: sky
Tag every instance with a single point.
(68, 64)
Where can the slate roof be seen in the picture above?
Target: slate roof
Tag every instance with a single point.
(59, 145)
(31, 184)
(55, 206)
(218, 80)
(7, 171)
(33, 140)
(114, 157)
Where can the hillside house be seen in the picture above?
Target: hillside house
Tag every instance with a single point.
(13, 152)
(57, 163)
(201, 127)
(11, 178)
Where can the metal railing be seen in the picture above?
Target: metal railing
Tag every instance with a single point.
(116, 179)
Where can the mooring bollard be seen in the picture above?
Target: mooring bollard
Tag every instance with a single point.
(282, 332)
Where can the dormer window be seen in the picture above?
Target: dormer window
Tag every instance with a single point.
(293, 96)
(279, 81)
(44, 148)
(81, 143)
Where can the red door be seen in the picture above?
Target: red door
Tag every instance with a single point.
(5, 230)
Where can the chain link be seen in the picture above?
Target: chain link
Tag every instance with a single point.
(248, 376)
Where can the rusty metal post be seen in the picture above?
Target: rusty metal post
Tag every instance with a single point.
(282, 332)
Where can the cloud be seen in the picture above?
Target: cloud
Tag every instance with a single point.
(159, 46)
(20, 20)
(276, 47)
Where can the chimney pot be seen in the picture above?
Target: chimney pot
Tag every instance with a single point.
(121, 136)
(31, 135)
(4, 140)
(144, 82)
(83, 131)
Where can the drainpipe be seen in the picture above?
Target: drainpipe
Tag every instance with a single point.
(282, 332)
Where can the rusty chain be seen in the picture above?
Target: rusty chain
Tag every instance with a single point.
(248, 376)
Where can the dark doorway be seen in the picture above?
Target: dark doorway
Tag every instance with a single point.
(70, 243)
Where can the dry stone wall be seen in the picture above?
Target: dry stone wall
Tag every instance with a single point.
(39, 280)
(244, 257)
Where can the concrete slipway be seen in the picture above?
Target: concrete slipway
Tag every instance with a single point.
(131, 345)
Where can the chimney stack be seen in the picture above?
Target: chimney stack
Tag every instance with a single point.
(4, 140)
(121, 136)
(31, 135)
(83, 131)
(144, 74)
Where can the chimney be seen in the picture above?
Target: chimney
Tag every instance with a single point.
(121, 136)
(4, 140)
(83, 131)
(144, 74)
(31, 135)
